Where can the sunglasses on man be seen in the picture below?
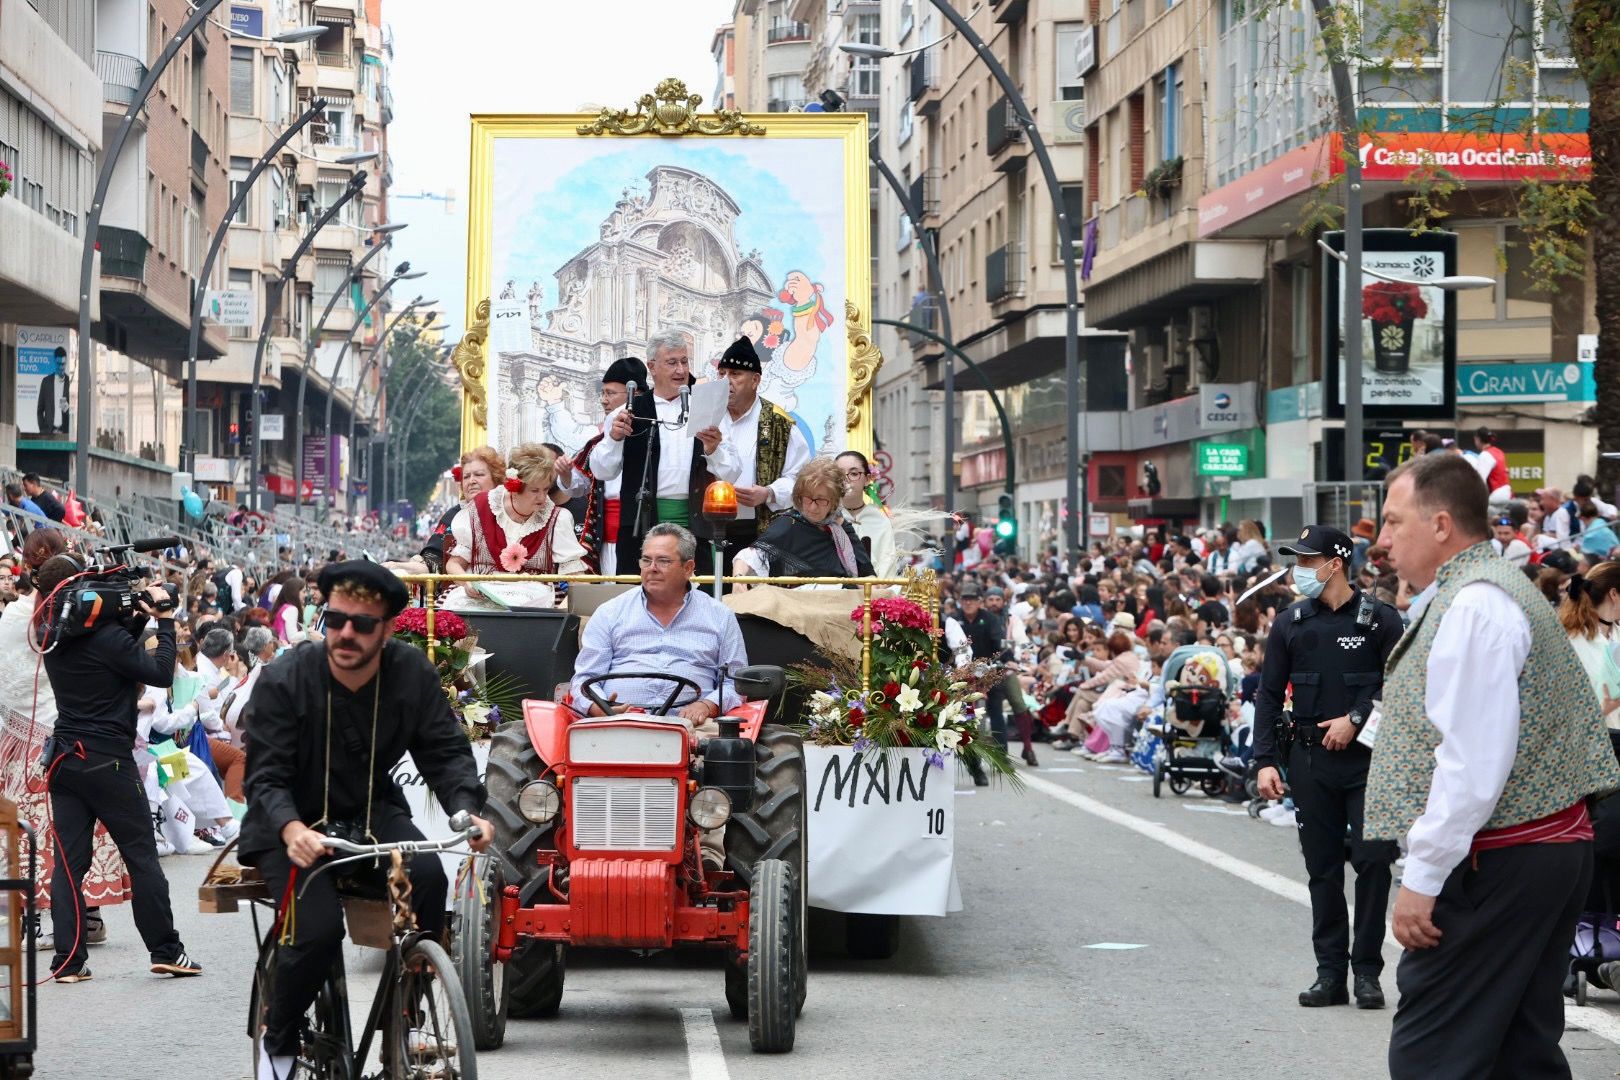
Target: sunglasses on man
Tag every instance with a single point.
(337, 620)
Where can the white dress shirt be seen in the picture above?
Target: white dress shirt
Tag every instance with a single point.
(742, 434)
(1472, 699)
(674, 454)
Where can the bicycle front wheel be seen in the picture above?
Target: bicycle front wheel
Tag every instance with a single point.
(431, 1032)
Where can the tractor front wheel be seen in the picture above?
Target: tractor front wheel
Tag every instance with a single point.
(477, 906)
(773, 957)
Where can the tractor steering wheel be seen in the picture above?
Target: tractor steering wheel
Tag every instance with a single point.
(588, 688)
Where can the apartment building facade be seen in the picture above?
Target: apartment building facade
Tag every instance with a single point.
(50, 135)
(271, 86)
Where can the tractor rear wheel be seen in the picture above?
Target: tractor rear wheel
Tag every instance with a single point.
(773, 955)
(534, 975)
(773, 828)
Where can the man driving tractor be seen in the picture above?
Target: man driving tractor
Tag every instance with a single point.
(665, 625)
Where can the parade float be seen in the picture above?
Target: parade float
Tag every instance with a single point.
(588, 235)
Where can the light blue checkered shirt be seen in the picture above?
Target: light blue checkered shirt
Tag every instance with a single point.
(701, 641)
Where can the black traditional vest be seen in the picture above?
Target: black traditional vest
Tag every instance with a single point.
(641, 449)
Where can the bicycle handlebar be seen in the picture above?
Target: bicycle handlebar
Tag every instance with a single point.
(462, 822)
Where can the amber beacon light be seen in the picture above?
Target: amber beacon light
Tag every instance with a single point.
(720, 502)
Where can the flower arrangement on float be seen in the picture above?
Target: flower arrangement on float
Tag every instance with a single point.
(480, 703)
(912, 699)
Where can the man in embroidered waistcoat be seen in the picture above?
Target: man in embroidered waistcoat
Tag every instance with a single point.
(770, 447)
(1483, 763)
(646, 441)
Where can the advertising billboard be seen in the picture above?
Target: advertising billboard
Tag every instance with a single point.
(1408, 327)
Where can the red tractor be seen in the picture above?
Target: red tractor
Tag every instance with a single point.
(598, 823)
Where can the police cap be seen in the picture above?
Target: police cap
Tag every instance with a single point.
(1320, 540)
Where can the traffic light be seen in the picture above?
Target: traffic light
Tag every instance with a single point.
(1006, 527)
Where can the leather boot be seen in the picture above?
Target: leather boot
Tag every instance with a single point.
(1323, 992)
(1369, 995)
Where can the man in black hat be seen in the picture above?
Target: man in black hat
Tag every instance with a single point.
(769, 444)
(599, 525)
(663, 473)
(326, 727)
(1328, 651)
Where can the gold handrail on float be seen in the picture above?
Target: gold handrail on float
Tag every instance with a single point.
(919, 586)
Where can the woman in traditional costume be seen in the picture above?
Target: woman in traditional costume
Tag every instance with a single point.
(811, 540)
(514, 528)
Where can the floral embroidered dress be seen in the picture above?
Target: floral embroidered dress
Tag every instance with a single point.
(491, 541)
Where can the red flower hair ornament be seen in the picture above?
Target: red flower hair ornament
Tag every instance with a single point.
(513, 483)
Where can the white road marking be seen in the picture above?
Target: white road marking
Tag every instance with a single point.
(1208, 808)
(1063, 768)
(703, 1056)
(1134, 778)
(1595, 1020)
(1114, 946)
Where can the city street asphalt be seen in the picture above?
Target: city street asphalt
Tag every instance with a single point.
(1105, 934)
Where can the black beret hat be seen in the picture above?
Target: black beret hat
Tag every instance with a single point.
(370, 575)
(740, 355)
(626, 370)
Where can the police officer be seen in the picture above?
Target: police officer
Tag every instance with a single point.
(1330, 648)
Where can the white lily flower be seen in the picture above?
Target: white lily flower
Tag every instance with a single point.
(908, 700)
(949, 738)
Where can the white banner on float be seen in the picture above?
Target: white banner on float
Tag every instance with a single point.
(426, 813)
(881, 831)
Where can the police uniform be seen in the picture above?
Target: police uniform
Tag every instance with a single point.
(1333, 659)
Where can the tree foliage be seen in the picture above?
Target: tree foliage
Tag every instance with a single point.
(422, 416)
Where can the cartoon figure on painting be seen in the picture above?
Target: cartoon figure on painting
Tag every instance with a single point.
(793, 358)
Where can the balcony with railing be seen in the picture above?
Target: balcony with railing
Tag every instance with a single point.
(788, 31)
(1004, 273)
(1004, 136)
(924, 76)
(925, 195)
(120, 77)
(123, 252)
(924, 315)
(784, 104)
(199, 159)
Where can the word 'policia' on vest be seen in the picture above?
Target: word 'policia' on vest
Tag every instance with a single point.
(1564, 753)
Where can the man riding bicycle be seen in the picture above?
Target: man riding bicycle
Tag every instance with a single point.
(325, 728)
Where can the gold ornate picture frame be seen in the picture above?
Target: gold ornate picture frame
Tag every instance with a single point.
(587, 235)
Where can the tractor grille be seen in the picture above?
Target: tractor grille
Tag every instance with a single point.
(625, 814)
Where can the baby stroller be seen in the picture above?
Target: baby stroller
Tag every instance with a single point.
(1198, 688)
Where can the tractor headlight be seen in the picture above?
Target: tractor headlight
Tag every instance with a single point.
(710, 808)
(539, 800)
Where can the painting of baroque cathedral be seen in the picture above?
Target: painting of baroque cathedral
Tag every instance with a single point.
(667, 260)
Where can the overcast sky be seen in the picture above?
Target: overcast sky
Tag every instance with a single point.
(455, 59)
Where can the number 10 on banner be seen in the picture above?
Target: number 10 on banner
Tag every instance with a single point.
(936, 824)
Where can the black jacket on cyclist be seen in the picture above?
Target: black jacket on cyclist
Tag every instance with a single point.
(288, 775)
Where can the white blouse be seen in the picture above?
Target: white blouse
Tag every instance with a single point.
(566, 552)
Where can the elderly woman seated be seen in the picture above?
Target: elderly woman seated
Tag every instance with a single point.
(811, 540)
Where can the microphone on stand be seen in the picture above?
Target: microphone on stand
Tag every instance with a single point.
(686, 402)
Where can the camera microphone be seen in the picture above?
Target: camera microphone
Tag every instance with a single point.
(156, 543)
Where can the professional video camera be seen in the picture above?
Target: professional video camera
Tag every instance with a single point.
(105, 591)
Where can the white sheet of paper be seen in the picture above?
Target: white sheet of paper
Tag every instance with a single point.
(707, 406)
(509, 330)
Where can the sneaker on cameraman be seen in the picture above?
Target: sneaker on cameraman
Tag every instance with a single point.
(180, 967)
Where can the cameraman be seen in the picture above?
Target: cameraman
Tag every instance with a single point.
(90, 762)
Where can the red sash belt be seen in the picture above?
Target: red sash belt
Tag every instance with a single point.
(610, 520)
(1567, 826)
